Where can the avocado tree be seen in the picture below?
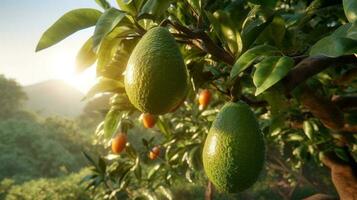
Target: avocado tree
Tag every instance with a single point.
(293, 62)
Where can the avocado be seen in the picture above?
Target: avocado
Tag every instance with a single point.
(156, 78)
(234, 150)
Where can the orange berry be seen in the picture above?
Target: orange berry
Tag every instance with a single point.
(148, 120)
(119, 142)
(204, 98)
(154, 153)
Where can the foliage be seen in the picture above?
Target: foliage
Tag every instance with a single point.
(12, 97)
(63, 188)
(252, 55)
(32, 149)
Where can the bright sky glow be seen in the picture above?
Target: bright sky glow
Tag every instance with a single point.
(21, 26)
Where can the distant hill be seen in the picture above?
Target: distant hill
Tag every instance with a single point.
(54, 97)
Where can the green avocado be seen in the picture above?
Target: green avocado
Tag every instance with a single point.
(156, 78)
(234, 151)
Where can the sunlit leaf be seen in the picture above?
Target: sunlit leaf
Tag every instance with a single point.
(226, 30)
(106, 24)
(105, 85)
(166, 192)
(350, 8)
(271, 70)
(130, 6)
(334, 47)
(154, 8)
(340, 42)
(86, 56)
(154, 170)
(161, 124)
(248, 58)
(103, 3)
(308, 129)
(111, 122)
(68, 24)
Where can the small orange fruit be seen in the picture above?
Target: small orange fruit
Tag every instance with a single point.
(119, 142)
(148, 120)
(154, 153)
(204, 98)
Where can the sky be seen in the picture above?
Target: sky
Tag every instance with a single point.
(21, 26)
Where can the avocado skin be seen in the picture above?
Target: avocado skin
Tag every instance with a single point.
(234, 151)
(156, 78)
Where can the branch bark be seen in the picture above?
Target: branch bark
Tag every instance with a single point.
(345, 103)
(322, 108)
(311, 66)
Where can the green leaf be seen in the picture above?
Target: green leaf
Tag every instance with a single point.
(256, 22)
(68, 24)
(154, 8)
(270, 71)
(350, 8)
(130, 6)
(114, 52)
(331, 46)
(341, 42)
(352, 32)
(166, 192)
(111, 122)
(105, 85)
(161, 124)
(90, 159)
(153, 171)
(86, 56)
(101, 164)
(247, 59)
(225, 29)
(308, 129)
(106, 23)
(103, 3)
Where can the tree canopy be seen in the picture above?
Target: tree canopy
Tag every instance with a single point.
(293, 62)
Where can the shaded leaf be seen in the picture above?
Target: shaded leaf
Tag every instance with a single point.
(101, 164)
(90, 159)
(268, 3)
(68, 24)
(271, 70)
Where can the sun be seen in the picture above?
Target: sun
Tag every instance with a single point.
(64, 69)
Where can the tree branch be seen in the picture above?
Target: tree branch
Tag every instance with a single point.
(347, 77)
(310, 66)
(322, 108)
(345, 103)
(206, 43)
